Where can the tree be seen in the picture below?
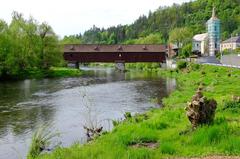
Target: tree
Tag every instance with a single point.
(50, 54)
(150, 39)
(186, 50)
(25, 45)
(236, 32)
(192, 15)
(180, 36)
(4, 45)
(72, 39)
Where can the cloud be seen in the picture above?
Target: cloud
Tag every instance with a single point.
(75, 16)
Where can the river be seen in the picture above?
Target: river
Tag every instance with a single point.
(100, 95)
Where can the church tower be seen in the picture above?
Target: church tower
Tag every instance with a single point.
(213, 28)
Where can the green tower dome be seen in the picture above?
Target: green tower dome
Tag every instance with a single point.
(213, 28)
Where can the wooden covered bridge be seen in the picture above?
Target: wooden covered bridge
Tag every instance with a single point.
(86, 53)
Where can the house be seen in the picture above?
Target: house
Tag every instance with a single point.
(200, 42)
(231, 44)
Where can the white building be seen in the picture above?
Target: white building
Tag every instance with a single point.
(200, 43)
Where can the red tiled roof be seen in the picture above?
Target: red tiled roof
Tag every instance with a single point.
(114, 48)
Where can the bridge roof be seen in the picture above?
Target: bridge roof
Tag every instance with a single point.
(114, 48)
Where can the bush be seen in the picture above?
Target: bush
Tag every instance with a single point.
(194, 67)
(186, 51)
(181, 64)
(233, 106)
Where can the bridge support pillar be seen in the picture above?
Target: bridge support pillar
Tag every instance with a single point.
(77, 65)
(120, 66)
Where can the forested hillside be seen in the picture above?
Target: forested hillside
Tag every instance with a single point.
(192, 16)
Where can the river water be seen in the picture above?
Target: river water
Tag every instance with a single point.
(67, 104)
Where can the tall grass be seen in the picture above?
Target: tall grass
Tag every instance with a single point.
(41, 140)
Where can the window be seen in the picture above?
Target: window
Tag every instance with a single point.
(215, 45)
(215, 28)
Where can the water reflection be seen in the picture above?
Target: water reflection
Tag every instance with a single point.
(24, 105)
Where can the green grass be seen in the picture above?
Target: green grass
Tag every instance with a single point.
(35, 73)
(169, 127)
(63, 72)
(143, 66)
(102, 64)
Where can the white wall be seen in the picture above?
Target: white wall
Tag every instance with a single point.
(196, 46)
(203, 47)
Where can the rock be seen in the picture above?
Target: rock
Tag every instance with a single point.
(200, 110)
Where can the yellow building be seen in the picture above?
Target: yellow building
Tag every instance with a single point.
(231, 44)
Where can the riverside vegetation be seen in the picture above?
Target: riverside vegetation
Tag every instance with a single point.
(30, 50)
(167, 132)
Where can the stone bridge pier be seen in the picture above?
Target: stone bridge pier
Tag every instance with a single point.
(120, 66)
(77, 65)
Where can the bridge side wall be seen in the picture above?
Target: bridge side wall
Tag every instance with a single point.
(116, 56)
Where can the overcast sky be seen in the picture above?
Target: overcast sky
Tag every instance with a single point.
(74, 16)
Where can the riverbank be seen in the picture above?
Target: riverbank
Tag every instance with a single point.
(53, 72)
(166, 132)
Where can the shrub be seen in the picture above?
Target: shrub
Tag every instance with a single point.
(128, 115)
(233, 106)
(186, 50)
(194, 67)
(181, 64)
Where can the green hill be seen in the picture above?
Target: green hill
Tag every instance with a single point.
(192, 15)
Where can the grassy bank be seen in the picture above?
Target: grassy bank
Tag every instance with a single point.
(101, 65)
(36, 73)
(169, 126)
(143, 66)
(63, 72)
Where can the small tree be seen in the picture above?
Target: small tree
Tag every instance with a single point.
(186, 50)
(181, 37)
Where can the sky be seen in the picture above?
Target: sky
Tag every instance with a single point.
(68, 17)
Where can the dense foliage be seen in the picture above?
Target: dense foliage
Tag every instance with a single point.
(191, 16)
(26, 46)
